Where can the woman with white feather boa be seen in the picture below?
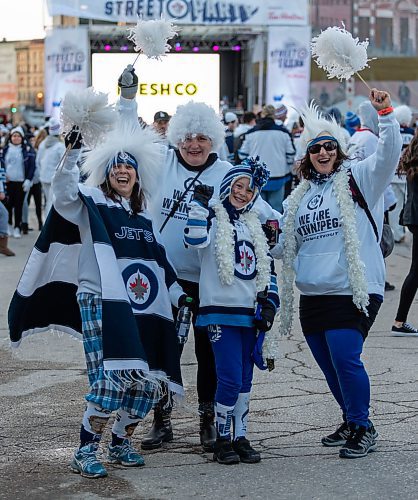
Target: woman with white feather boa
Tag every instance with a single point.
(328, 245)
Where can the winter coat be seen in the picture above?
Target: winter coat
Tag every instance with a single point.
(28, 159)
(49, 155)
(410, 211)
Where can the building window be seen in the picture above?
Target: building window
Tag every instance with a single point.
(384, 34)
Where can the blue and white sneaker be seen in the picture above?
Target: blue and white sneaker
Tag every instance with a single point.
(124, 454)
(85, 462)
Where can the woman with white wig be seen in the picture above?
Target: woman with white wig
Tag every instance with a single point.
(329, 245)
(196, 132)
(126, 287)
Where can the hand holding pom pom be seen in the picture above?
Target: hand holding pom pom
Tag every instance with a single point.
(73, 139)
(380, 99)
(128, 82)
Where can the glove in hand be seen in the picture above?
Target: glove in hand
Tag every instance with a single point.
(74, 138)
(203, 193)
(128, 82)
(270, 235)
(267, 314)
(27, 184)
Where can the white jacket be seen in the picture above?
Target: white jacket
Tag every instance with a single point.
(48, 157)
(321, 263)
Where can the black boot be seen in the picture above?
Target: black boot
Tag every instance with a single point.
(24, 227)
(161, 431)
(246, 452)
(207, 426)
(224, 453)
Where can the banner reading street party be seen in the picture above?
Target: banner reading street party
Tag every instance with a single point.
(66, 65)
(288, 65)
(261, 12)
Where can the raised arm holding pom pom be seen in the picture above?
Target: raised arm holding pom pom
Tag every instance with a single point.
(380, 99)
(128, 83)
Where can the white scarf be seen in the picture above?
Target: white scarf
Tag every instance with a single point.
(356, 268)
(225, 251)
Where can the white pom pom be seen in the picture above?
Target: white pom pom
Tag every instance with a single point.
(90, 111)
(338, 53)
(151, 37)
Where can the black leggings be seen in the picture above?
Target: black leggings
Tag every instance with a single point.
(410, 285)
(36, 192)
(206, 370)
(15, 199)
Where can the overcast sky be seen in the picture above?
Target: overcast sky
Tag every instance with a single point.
(23, 19)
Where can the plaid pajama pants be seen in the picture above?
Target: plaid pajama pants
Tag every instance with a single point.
(139, 399)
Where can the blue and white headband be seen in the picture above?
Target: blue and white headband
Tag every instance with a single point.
(122, 157)
(321, 138)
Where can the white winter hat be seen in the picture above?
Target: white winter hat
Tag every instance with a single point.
(196, 118)
(403, 114)
(129, 140)
(230, 117)
(53, 126)
(18, 130)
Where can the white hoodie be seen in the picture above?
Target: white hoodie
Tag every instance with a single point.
(48, 157)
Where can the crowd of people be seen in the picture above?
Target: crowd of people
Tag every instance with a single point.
(194, 210)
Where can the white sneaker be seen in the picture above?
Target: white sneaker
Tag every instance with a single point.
(16, 233)
(9, 230)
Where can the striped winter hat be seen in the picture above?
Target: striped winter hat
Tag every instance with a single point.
(252, 168)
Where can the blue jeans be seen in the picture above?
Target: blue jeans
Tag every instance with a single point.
(232, 347)
(337, 353)
(4, 216)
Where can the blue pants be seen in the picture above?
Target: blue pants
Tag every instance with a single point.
(232, 347)
(337, 353)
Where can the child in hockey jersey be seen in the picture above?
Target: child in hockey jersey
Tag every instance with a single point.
(235, 266)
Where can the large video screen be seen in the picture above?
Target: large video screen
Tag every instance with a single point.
(163, 85)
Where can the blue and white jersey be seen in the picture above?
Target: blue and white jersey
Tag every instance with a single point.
(225, 304)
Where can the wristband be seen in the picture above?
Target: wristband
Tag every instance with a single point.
(385, 111)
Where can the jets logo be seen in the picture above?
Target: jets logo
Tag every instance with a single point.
(315, 202)
(177, 9)
(246, 268)
(141, 286)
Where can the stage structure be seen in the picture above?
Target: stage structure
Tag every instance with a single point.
(234, 31)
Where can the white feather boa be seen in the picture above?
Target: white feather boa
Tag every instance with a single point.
(356, 268)
(224, 247)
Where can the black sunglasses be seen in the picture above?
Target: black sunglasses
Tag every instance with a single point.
(328, 146)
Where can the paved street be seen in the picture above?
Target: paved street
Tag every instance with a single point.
(42, 386)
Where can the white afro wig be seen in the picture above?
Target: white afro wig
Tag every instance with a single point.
(141, 143)
(315, 123)
(403, 114)
(196, 118)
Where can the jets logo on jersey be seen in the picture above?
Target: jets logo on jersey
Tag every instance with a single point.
(141, 286)
(315, 202)
(245, 269)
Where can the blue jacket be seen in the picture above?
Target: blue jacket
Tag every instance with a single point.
(28, 159)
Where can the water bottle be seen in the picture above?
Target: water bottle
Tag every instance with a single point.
(184, 320)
